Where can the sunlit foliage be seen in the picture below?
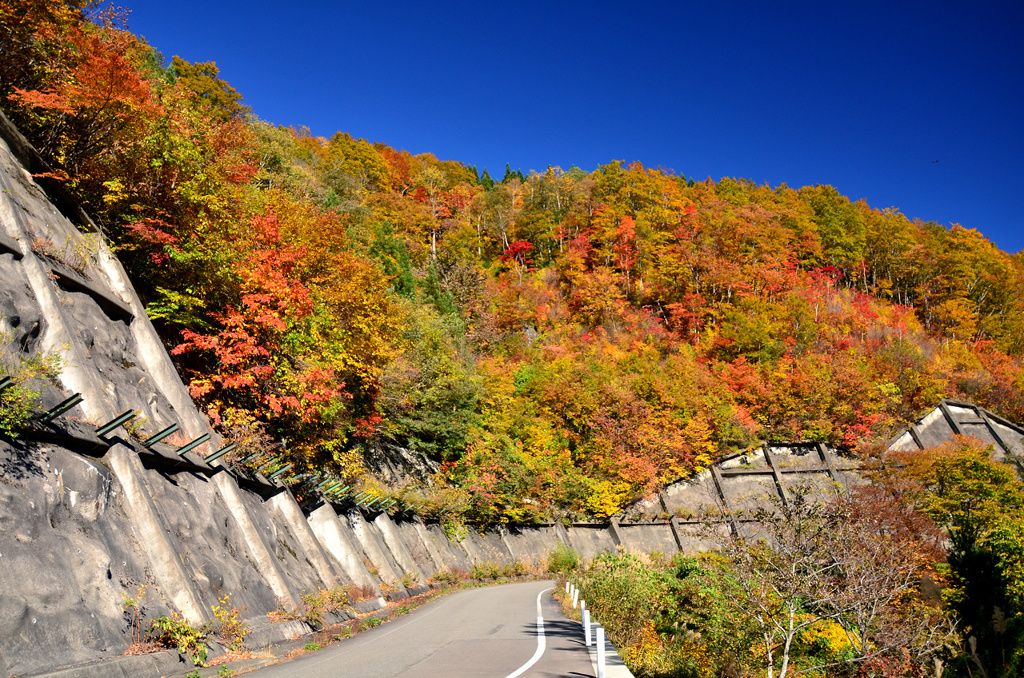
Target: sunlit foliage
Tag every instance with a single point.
(555, 344)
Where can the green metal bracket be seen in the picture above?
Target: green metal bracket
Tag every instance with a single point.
(61, 408)
(251, 457)
(194, 444)
(221, 452)
(269, 462)
(312, 478)
(325, 483)
(160, 435)
(122, 418)
(371, 502)
(279, 471)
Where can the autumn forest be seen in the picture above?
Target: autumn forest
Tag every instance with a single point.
(555, 343)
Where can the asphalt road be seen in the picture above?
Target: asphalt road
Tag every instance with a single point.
(489, 632)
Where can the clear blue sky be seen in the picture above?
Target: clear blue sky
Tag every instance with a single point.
(865, 96)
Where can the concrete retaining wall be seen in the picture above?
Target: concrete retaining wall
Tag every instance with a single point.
(80, 534)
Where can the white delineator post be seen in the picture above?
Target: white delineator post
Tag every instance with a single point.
(575, 597)
(567, 586)
(586, 626)
(600, 652)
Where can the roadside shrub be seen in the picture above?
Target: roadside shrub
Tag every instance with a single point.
(358, 592)
(175, 632)
(677, 617)
(230, 628)
(623, 593)
(322, 601)
(450, 576)
(516, 569)
(487, 571)
(563, 559)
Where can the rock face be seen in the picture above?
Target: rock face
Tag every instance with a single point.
(69, 550)
(393, 462)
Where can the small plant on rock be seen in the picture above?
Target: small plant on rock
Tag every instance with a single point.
(131, 605)
(230, 628)
(175, 631)
(283, 613)
(134, 427)
(487, 571)
(323, 601)
(358, 592)
(19, 400)
(315, 609)
(516, 569)
(450, 577)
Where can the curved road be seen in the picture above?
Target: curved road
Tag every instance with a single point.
(489, 632)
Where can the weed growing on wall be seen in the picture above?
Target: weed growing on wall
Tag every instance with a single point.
(318, 603)
(450, 576)
(20, 400)
(359, 592)
(229, 625)
(175, 631)
(131, 605)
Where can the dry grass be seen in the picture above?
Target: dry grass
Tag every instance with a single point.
(236, 655)
(143, 648)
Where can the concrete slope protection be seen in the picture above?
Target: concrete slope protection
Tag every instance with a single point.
(92, 518)
(494, 632)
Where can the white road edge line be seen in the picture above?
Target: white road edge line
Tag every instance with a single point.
(540, 641)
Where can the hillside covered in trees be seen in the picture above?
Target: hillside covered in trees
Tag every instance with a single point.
(555, 343)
